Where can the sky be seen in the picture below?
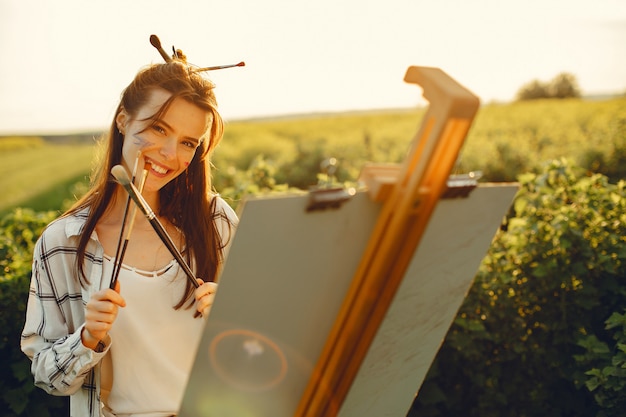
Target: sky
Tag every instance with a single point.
(64, 63)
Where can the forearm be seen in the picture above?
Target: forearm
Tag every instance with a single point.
(60, 368)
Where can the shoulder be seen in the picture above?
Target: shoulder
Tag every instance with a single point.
(66, 226)
(225, 219)
(61, 232)
(222, 208)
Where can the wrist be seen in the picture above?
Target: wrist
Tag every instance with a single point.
(93, 343)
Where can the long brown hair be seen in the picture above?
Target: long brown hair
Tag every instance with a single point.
(187, 200)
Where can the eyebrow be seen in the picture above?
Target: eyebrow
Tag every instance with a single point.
(167, 125)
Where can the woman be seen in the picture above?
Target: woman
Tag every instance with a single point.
(128, 350)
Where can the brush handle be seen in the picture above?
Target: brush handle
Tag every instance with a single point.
(167, 240)
(119, 252)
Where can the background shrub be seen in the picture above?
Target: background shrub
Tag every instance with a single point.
(552, 278)
(18, 395)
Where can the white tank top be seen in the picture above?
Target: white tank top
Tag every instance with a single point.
(153, 346)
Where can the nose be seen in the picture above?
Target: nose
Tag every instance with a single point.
(168, 148)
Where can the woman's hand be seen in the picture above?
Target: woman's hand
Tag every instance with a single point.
(101, 312)
(205, 294)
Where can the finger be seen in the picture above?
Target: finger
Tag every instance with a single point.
(101, 313)
(208, 288)
(98, 325)
(204, 290)
(204, 307)
(206, 311)
(205, 296)
(205, 301)
(101, 309)
(117, 287)
(110, 295)
(105, 306)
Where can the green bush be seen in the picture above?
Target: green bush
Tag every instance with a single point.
(606, 361)
(552, 278)
(18, 395)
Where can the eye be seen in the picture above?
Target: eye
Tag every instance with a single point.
(190, 144)
(158, 129)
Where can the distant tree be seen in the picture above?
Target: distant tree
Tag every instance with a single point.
(533, 90)
(563, 85)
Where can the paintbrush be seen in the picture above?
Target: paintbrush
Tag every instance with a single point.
(117, 262)
(120, 254)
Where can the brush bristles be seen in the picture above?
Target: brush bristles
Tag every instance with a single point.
(120, 174)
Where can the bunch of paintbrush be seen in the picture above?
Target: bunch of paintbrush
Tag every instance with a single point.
(129, 217)
(122, 178)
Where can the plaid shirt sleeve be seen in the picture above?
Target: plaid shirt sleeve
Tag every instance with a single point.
(55, 317)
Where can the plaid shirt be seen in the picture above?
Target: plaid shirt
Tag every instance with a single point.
(55, 314)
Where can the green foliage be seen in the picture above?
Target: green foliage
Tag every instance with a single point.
(18, 395)
(611, 159)
(564, 85)
(297, 147)
(258, 179)
(607, 360)
(553, 275)
(506, 140)
(533, 90)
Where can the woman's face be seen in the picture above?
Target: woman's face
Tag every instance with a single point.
(167, 144)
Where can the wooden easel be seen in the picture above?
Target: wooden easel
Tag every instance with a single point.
(408, 202)
(327, 311)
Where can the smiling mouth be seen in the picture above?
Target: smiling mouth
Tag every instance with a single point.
(159, 169)
(156, 168)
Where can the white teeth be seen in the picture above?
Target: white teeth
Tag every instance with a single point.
(158, 169)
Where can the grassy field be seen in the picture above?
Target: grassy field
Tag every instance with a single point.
(504, 141)
(40, 174)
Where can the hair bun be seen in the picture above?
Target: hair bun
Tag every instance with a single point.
(178, 54)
